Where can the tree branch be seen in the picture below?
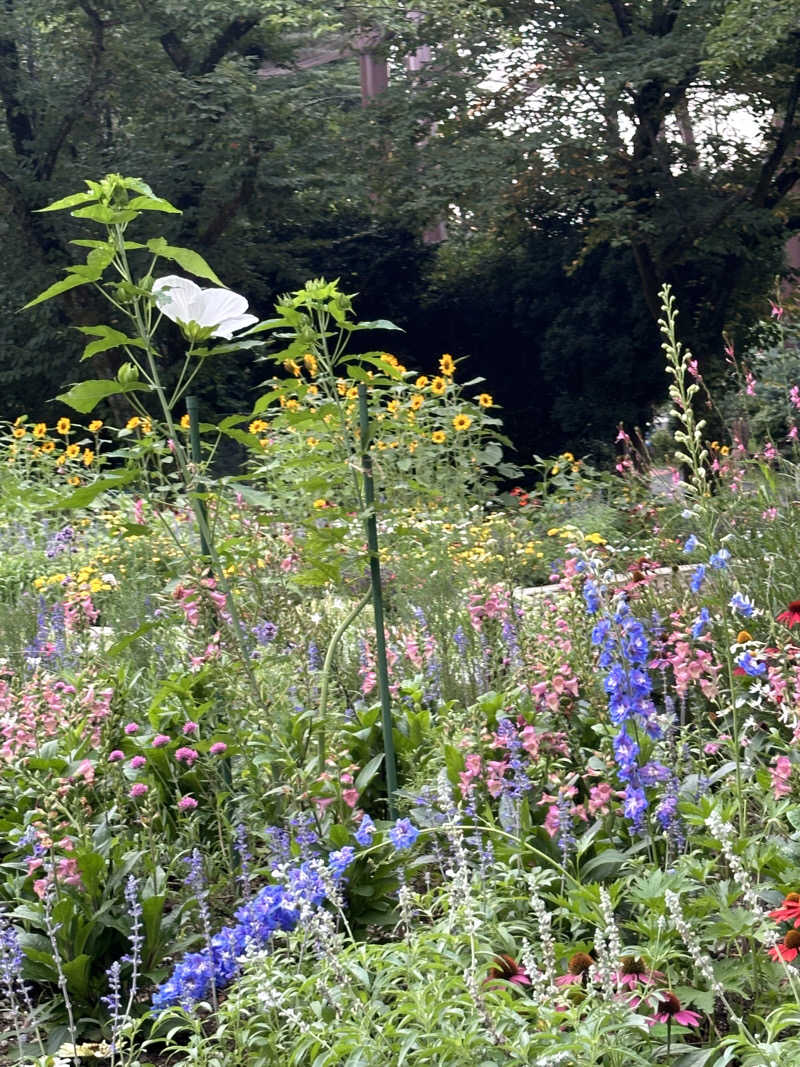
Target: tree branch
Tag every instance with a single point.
(230, 209)
(225, 40)
(622, 17)
(176, 50)
(19, 122)
(46, 166)
(786, 136)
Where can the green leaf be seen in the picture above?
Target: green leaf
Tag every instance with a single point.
(152, 910)
(69, 201)
(378, 324)
(91, 866)
(70, 282)
(106, 338)
(606, 865)
(85, 396)
(105, 214)
(184, 257)
(87, 493)
(128, 639)
(77, 975)
(368, 772)
(152, 203)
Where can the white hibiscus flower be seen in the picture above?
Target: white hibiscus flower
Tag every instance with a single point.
(186, 304)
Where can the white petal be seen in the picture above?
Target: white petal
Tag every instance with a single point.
(175, 296)
(217, 305)
(230, 326)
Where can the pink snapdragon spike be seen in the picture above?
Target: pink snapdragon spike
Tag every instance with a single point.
(186, 304)
(670, 1010)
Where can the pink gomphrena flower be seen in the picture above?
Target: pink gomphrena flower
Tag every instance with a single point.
(187, 803)
(131, 728)
(186, 755)
(218, 748)
(190, 728)
(160, 740)
(137, 762)
(578, 969)
(138, 789)
(672, 1012)
(116, 755)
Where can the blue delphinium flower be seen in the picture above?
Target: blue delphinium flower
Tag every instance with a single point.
(700, 623)
(751, 666)
(365, 831)
(698, 577)
(341, 860)
(742, 605)
(691, 544)
(592, 597)
(403, 834)
(719, 561)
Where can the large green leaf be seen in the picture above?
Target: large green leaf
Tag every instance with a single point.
(85, 396)
(69, 201)
(184, 257)
(106, 338)
(87, 493)
(56, 288)
(152, 203)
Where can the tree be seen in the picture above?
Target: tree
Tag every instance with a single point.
(645, 122)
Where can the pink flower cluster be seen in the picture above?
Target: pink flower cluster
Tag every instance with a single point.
(781, 772)
(42, 707)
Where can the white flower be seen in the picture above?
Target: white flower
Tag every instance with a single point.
(184, 302)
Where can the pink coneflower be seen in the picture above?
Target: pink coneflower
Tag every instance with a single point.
(788, 948)
(507, 968)
(138, 789)
(160, 740)
(789, 911)
(633, 970)
(187, 803)
(672, 1012)
(791, 616)
(186, 755)
(578, 967)
(218, 748)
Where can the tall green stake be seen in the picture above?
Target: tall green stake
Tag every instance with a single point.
(377, 603)
(193, 411)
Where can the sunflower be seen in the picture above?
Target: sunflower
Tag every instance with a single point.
(462, 422)
(63, 425)
(132, 424)
(48, 446)
(485, 400)
(257, 426)
(18, 431)
(292, 367)
(438, 386)
(73, 451)
(310, 361)
(422, 381)
(392, 406)
(438, 437)
(96, 424)
(417, 400)
(88, 457)
(39, 430)
(447, 365)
